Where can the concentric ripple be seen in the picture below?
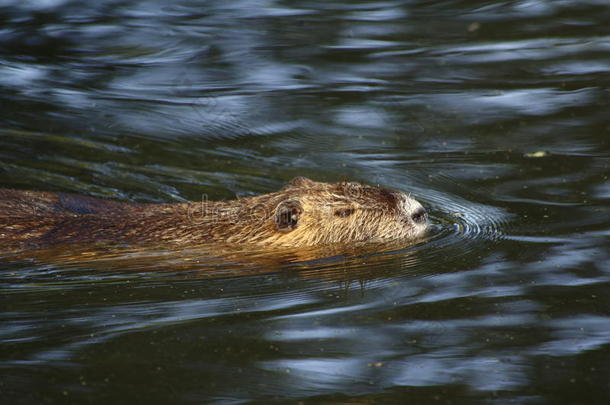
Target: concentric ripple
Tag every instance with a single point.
(460, 226)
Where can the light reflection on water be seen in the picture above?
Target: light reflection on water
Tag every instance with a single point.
(494, 116)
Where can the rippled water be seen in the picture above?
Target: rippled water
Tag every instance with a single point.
(493, 114)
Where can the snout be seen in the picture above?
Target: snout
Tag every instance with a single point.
(420, 216)
(411, 210)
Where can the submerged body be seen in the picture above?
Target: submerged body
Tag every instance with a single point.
(304, 213)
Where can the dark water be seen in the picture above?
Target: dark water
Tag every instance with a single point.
(494, 114)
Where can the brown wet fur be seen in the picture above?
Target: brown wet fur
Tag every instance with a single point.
(303, 213)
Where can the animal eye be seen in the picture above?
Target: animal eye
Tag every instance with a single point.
(344, 212)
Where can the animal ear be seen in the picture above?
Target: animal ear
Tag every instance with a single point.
(287, 215)
(301, 182)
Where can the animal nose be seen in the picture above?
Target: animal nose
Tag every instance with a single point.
(419, 216)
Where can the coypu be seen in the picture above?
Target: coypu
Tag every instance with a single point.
(303, 213)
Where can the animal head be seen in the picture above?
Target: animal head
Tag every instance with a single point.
(309, 213)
